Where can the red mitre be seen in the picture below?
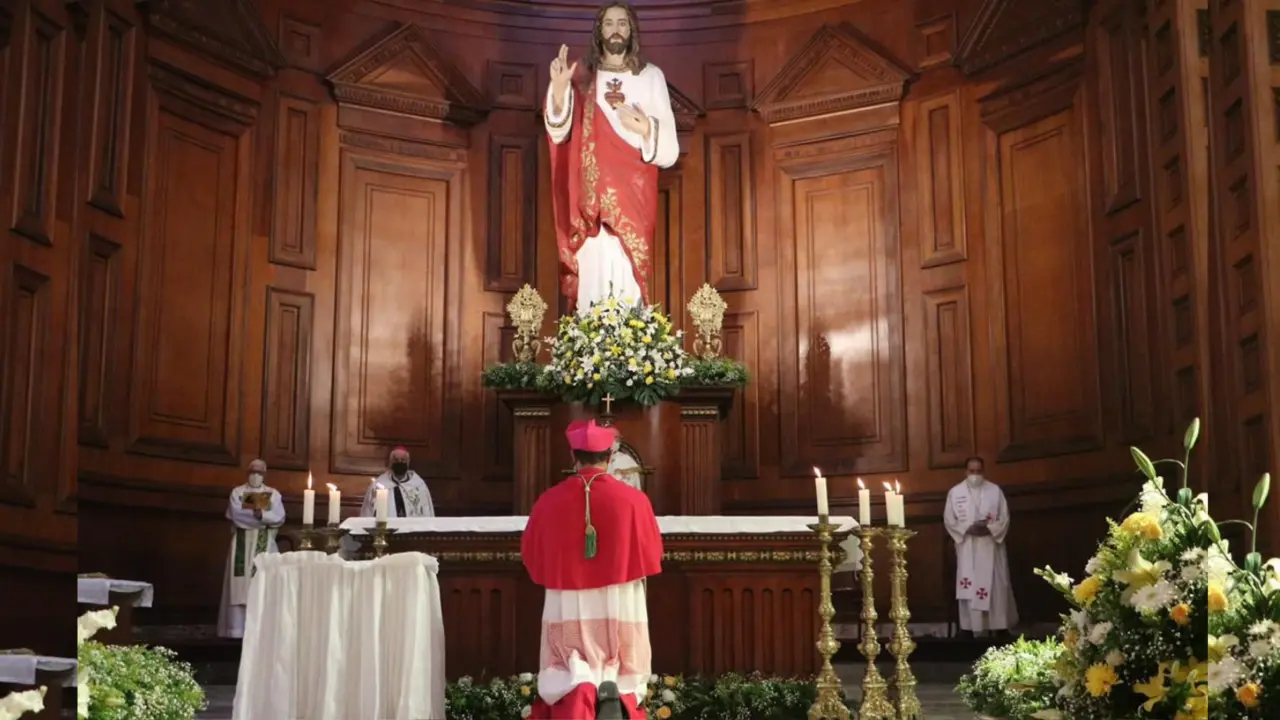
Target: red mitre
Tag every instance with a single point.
(587, 436)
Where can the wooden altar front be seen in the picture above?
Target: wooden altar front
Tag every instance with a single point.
(679, 443)
(723, 603)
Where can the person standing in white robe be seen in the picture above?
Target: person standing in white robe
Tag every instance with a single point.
(256, 512)
(977, 518)
(409, 494)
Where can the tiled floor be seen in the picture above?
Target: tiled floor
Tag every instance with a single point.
(937, 697)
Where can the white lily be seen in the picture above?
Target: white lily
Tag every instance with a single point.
(15, 705)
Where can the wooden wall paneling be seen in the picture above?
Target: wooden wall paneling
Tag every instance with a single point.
(496, 422)
(731, 211)
(286, 386)
(512, 205)
(1047, 387)
(950, 376)
(27, 372)
(296, 159)
(940, 171)
(100, 274)
(42, 46)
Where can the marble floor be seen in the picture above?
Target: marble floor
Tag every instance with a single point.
(936, 695)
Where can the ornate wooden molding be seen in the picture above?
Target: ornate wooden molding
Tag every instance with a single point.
(404, 73)
(685, 109)
(229, 31)
(204, 95)
(1005, 28)
(836, 71)
(1040, 97)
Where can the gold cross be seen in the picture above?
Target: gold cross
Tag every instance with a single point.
(608, 403)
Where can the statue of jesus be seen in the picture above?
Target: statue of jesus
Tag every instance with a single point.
(610, 129)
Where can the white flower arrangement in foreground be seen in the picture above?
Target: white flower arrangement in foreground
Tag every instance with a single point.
(15, 705)
(86, 627)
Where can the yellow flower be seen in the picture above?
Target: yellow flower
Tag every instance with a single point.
(648, 380)
(524, 690)
(567, 378)
(1217, 598)
(1087, 590)
(1141, 573)
(1154, 688)
(595, 376)
(1248, 694)
(1143, 524)
(671, 374)
(669, 681)
(1181, 614)
(664, 712)
(646, 339)
(1220, 646)
(1070, 638)
(648, 368)
(1099, 678)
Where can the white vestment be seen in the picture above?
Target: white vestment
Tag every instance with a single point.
(417, 498)
(250, 536)
(603, 266)
(983, 588)
(595, 636)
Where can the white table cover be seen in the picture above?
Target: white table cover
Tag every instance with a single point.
(668, 524)
(329, 639)
(97, 591)
(22, 669)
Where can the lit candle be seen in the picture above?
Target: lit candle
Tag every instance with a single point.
(308, 504)
(820, 487)
(899, 511)
(889, 518)
(335, 505)
(380, 503)
(864, 504)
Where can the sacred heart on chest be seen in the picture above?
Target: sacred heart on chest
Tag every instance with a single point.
(613, 93)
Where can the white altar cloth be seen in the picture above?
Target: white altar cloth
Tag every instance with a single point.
(329, 639)
(22, 669)
(97, 591)
(668, 524)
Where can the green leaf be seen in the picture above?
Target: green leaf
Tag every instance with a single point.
(1261, 490)
(1253, 562)
(1185, 497)
(1144, 463)
(1192, 434)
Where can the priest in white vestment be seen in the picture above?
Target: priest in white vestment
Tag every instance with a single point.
(256, 512)
(610, 129)
(409, 494)
(977, 518)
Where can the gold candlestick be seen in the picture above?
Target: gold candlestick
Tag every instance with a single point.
(380, 531)
(332, 538)
(305, 540)
(828, 705)
(902, 645)
(875, 696)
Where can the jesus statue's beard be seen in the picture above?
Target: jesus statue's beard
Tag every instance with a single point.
(616, 45)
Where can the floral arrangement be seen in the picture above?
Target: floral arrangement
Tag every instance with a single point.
(1014, 681)
(131, 682)
(629, 352)
(1166, 624)
(15, 705)
(668, 697)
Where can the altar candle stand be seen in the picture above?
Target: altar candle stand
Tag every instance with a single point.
(828, 705)
(875, 696)
(901, 646)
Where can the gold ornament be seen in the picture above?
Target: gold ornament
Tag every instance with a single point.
(707, 310)
(526, 311)
(827, 705)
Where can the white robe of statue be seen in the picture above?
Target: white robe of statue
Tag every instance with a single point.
(249, 537)
(983, 589)
(417, 498)
(603, 266)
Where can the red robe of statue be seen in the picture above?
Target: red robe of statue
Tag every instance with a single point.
(629, 548)
(598, 179)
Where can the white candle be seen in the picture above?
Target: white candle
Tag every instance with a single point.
(900, 510)
(820, 488)
(889, 517)
(308, 504)
(380, 503)
(335, 505)
(864, 504)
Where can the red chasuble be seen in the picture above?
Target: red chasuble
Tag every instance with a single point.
(629, 544)
(597, 179)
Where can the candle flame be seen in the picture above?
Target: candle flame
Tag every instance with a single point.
(308, 481)
(860, 485)
(888, 487)
(897, 487)
(332, 487)
(817, 472)
(373, 481)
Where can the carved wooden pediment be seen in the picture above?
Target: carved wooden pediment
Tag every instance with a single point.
(229, 31)
(685, 110)
(836, 71)
(404, 73)
(1005, 28)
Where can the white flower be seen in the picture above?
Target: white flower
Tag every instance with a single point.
(1080, 619)
(1191, 573)
(653, 679)
(1098, 634)
(91, 622)
(1153, 597)
(1093, 566)
(526, 711)
(1115, 658)
(15, 705)
(525, 677)
(1153, 497)
(1224, 674)
(668, 697)
(1262, 628)
(465, 681)
(82, 693)
(1218, 565)
(1263, 648)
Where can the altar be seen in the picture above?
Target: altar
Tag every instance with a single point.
(736, 593)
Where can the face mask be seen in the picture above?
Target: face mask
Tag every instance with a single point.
(973, 478)
(255, 480)
(399, 468)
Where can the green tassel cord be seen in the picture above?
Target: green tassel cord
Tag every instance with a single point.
(589, 550)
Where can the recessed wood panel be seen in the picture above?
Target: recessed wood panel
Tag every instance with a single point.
(482, 609)
(727, 85)
(1135, 391)
(731, 232)
(185, 389)
(496, 421)
(297, 157)
(99, 298)
(390, 371)
(666, 278)
(300, 44)
(740, 621)
(514, 85)
(113, 43)
(950, 372)
(286, 383)
(842, 402)
(22, 403)
(740, 443)
(39, 120)
(1119, 58)
(1049, 396)
(940, 178)
(513, 200)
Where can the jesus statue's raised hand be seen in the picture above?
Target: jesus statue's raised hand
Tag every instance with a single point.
(561, 73)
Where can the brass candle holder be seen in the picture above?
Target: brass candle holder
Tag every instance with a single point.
(875, 703)
(901, 646)
(306, 539)
(380, 531)
(828, 705)
(332, 538)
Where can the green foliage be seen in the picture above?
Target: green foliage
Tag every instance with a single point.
(1014, 681)
(717, 372)
(136, 682)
